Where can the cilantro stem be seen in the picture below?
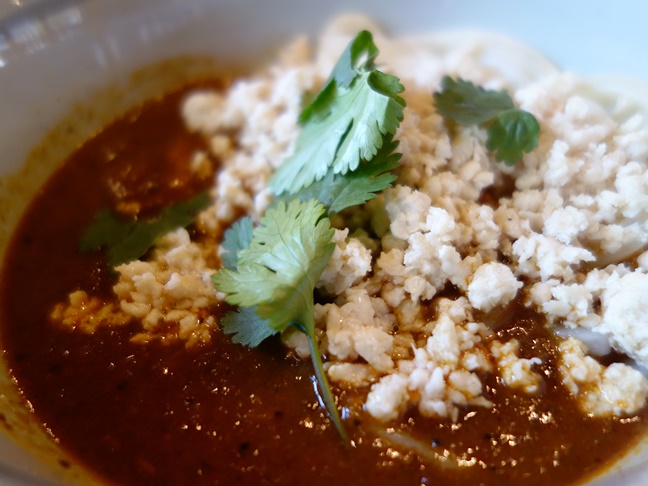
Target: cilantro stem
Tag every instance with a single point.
(322, 380)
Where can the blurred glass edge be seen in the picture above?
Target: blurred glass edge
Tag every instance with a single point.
(618, 45)
(49, 41)
(30, 26)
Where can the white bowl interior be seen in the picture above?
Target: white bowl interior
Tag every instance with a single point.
(61, 53)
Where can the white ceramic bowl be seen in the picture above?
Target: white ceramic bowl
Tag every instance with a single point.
(55, 53)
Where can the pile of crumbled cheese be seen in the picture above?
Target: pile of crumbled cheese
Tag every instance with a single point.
(570, 232)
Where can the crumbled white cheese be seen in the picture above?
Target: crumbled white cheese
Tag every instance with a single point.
(441, 376)
(625, 315)
(515, 371)
(540, 256)
(171, 293)
(350, 261)
(407, 209)
(565, 224)
(614, 390)
(354, 329)
(492, 285)
(388, 398)
(353, 374)
(87, 313)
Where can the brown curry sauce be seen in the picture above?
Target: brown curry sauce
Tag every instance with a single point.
(222, 413)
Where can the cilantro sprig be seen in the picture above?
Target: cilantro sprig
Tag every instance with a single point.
(346, 122)
(344, 156)
(511, 131)
(126, 240)
(276, 269)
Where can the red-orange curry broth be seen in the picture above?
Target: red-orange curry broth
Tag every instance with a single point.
(159, 413)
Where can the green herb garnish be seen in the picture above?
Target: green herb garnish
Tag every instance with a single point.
(344, 156)
(511, 131)
(340, 191)
(237, 237)
(275, 277)
(128, 239)
(246, 327)
(346, 122)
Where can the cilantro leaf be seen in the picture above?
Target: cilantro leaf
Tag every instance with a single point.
(340, 191)
(344, 72)
(246, 326)
(279, 270)
(274, 278)
(511, 131)
(237, 237)
(346, 122)
(106, 230)
(348, 66)
(127, 240)
(466, 104)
